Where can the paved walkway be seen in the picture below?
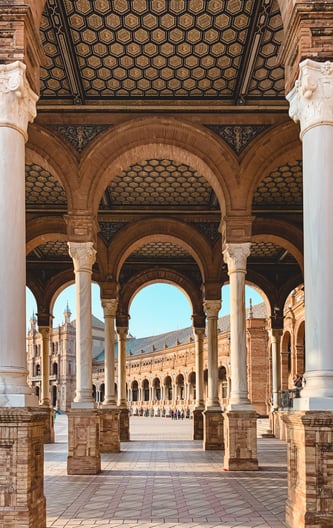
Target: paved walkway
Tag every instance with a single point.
(164, 479)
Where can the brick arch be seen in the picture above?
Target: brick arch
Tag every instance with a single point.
(282, 234)
(135, 235)
(44, 229)
(276, 147)
(52, 153)
(47, 296)
(152, 137)
(166, 276)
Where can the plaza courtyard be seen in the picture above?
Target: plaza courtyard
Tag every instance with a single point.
(162, 478)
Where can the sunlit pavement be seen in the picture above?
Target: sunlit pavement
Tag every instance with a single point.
(162, 478)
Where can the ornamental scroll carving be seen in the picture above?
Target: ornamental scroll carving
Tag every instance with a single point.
(17, 100)
(212, 308)
(83, 255)
(110, 307)
(235, 255)
(311, 100)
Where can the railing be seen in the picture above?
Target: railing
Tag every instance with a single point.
(286, 398)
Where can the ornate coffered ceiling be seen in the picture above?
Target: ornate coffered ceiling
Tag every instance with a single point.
(171, 49)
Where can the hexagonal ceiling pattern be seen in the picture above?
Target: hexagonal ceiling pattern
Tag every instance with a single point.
(161, 48)
(282, 188)
(159, 182)
(42, 189)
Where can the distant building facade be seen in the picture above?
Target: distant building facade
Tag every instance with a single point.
(160, 370)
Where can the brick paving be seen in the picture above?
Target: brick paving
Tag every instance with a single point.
(162, 478)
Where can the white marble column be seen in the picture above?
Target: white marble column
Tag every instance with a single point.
(45, 389)
(17, 109)
(211, 309)
(122, 336)
(109, 310)
(83, 255)
(235, 255)
(311, 103)
(199, 376)
(275, 338)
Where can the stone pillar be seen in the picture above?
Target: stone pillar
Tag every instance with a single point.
(199, 383)
(275, 338)
(240, 425)
(22, 501)
(213, 417)
(109, 413)
(45, 386)
(310, 429)
(83, 419)
(122, 400)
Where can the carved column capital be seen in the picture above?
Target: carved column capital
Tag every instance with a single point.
(122, 331)
(17, 100)
(235, 255)
(311, 100)
(44, 331)
(212, 308)
(83, 255)
(199, 332)
(110, 307)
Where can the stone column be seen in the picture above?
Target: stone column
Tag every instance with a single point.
(240, 426)
(199, 384)
(21, 418)
(45, 385)
(122, 400)
(275, 338)
(109, 412)
(83, 419)
(213, 417)
(310, 428)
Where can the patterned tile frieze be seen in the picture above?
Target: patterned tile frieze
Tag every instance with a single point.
(156, 48)
(42, 188)
(238, 137)
(159, 183)
(56, 250)
(283, 187)
(77, 135)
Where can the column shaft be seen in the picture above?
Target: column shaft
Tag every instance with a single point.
(199, 378)
(235, 255)
(45, 390)
(17, 108)
(83, 255)
(212, 309)
(110, 308)
(311, 103)
(275, 344)
(122, 336)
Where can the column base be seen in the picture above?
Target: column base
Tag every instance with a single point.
(124, 424)
(240, 433)
(83, 442)
(109, 439)
(198, 424)
(213, 430)
(49, 425)
(22, 501)
(310, 476)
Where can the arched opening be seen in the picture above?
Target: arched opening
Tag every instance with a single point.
(223, 384)
(55, 369)
(168, 388)
(135, 390)
(157, 389)
(145, 390)
(54, 396)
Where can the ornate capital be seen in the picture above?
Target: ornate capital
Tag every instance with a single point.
(235, 256)
(44, 331)
(311, 100)
(17, 100)
(199, 331)
(83, 255)
(110, 307)
(122, 332)
(212, 308)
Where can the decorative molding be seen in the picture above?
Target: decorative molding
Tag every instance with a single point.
(212, 308)
(79, 136)
(238, 137)
(311, 100)
(109, 307)
(235, 255)
(18, 101)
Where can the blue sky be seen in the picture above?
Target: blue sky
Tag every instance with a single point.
(156, 309)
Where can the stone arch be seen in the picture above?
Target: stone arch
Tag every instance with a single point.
(272, 149)
(44, 229)
(133, 236)
(145, 138)
(56, 156)
(283, 242)
(167, 276)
